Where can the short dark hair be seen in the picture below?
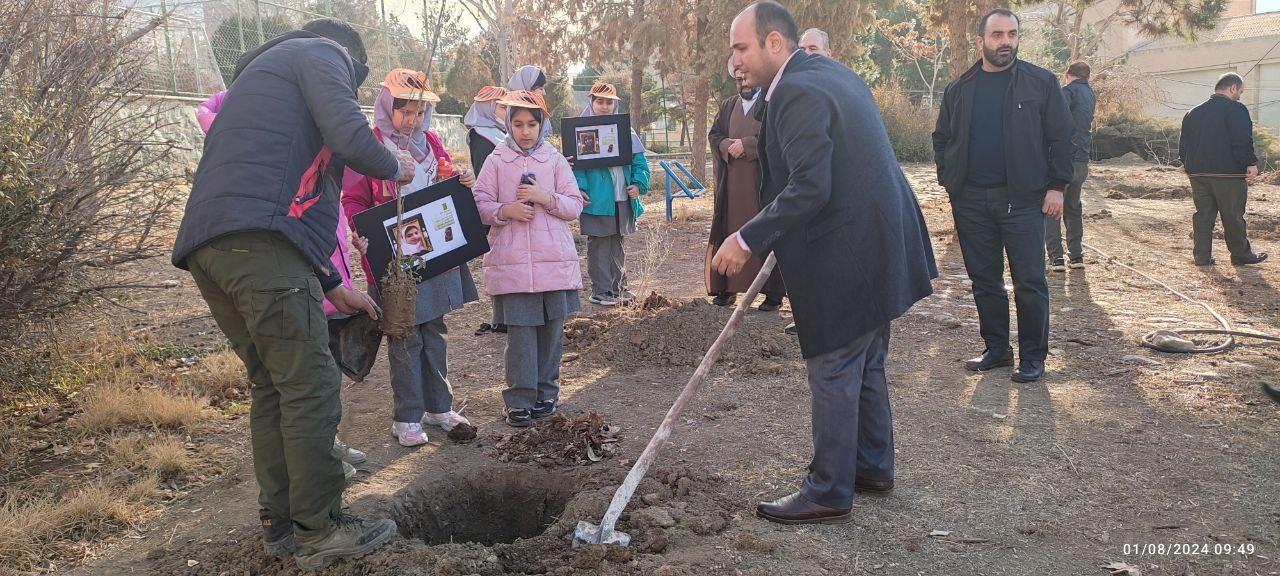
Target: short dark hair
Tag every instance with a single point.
(772, 16)
(1228, 80)
(1079, 70)
(340, 32)
(982, 22)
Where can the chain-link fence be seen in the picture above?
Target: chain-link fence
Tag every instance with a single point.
(194, 53)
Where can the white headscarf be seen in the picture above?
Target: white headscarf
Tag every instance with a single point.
(415, 143)
(482, 117)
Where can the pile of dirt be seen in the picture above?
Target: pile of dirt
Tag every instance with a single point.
(1142, 190)
(679, 336)
(560, 441)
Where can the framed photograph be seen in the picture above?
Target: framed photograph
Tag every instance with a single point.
(597, 141)
(440, 230)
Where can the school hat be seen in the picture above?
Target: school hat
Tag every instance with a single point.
(604, 90)
(490, 93)
(525, 99)
(406, 84)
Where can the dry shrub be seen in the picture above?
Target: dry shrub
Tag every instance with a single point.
(126, 450)
(910, 126)
(120, 402)
(216, 374)
(657, 247)
(167, 457)
(31, 527)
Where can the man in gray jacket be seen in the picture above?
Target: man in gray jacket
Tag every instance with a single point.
(257, 236)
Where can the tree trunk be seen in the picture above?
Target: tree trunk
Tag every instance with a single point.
(1077, 27)
(701, 89)
(958, 40)
(639, 60)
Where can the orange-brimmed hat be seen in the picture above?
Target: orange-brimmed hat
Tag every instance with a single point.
(604, 90)
(525, 99)
(407, 84)
(490, 93)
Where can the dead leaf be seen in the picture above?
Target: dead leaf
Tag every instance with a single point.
(1123, 569)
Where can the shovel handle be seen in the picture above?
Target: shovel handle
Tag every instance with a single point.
(638, 470)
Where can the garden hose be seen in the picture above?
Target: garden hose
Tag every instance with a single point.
(1175, 340)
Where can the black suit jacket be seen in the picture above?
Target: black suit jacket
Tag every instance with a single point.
(838, 212)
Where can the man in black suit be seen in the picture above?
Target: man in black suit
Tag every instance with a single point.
(1003, 149)
(851, 242)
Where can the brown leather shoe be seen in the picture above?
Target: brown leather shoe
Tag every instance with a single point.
(796, 509)
(877, 487)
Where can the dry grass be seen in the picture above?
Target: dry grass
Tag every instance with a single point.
(126, 451)
(167, 457)
(122, 402)
(32, 527)
(218, 373)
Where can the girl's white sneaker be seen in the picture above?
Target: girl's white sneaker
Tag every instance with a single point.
(409, 433)
(448, 421)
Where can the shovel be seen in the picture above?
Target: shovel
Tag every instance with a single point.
(588, 533)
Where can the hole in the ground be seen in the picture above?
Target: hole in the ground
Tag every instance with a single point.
(485, 505)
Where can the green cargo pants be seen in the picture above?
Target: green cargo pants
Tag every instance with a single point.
(1213, 197)
(267, 300)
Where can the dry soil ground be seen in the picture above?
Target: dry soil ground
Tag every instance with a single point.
(1117, 449)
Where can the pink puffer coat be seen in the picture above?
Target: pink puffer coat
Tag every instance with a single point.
(534, 256)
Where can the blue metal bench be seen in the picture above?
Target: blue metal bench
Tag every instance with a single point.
(690, 190)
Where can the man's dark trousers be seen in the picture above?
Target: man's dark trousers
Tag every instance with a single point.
(267, 300)
(1072, 217)
(989, 225)
(1214, 196)
(852, 423)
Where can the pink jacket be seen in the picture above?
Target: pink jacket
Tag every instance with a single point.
(534, 256)
(205, 113)
(360, 192)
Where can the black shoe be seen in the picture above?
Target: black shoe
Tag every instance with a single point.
(878, 487)
(987, 360)
(1028, 371)
(725, 300)
(1255, 258)
(791, 329)
(519, 418)
(485, 328)
(543, 410)
(1209, 262)
(277, 538)
(770, 305)
(1057, 265)
(1272, 390)
(796, 509)
(500, 328)
(1076, 263)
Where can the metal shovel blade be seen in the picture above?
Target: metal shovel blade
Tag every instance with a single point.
(587, 533)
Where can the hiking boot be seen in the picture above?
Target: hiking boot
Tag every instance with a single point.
(604, 300)
(348, 471)
(350, 538)
(543, 409)
(347, 454)
(277, 538)
(519, 418)
(1057, 265)
(1076, 263)
(409, 434)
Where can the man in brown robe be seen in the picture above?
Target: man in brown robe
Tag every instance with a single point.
(733, 140)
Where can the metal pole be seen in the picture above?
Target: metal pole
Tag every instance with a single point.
(386, 40)
(257, 16)
(168, 48)
(240, 25)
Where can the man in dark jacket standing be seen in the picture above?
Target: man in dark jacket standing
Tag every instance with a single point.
(1216, 149)
(852, 244)
(1081, 102)
(1003, 149)
(257, 236)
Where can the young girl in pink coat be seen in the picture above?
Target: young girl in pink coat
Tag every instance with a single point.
(528, 195)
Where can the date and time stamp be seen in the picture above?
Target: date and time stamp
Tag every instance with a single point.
(1153, 549)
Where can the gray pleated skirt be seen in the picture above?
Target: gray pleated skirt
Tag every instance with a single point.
(536, 308)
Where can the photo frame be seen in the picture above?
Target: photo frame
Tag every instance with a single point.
(597, 141)
(440, 230)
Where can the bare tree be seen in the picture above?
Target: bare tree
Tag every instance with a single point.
(86, 182)
(919, 46)
(498, 17)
